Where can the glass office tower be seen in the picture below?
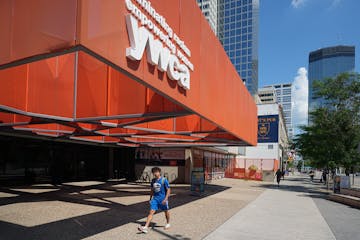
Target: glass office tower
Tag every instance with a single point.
(238, 32)
(235, 22)
(328, 62)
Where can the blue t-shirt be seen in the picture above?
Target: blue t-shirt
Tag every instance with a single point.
(159, 187)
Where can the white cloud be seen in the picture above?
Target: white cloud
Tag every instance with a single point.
(297, 3)
(300, 98)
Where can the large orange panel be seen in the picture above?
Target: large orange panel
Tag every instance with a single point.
(51, 86)
(13, 87)
(154, 102)
(35, 27)
(103, 30)
(92, 80)
(189, 123)
(126, 96)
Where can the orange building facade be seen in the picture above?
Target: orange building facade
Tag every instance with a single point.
(121, 73)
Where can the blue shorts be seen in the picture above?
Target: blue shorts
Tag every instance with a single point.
(156, 204)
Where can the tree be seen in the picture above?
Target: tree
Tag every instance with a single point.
(299, 165)
(333, 137)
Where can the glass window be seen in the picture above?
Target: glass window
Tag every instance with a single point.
(243, 45)
(250, 36)
(244, 23)
(238, 31)
(249, 59)
(249, 65)
(238, 10)
(232, 26)
(244, 15)
(232, 12)
(243, 52)
(249, 51)
(250, 44)
(243, 59)
(244, 37)
(233, 18)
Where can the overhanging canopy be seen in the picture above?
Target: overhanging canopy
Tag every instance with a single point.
(64, 74)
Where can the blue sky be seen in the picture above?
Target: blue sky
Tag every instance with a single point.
(290, 29)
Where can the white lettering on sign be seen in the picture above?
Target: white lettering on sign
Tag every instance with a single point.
(148, 36)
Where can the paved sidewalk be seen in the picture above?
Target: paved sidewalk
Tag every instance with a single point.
(287, 212)
(98, 210)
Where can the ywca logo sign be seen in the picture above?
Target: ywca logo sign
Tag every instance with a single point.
(164, 48)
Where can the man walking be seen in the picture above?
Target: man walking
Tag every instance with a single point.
(278, 175)
(159, 195)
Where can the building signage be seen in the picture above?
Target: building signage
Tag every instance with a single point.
(164, 48)
(268, 128)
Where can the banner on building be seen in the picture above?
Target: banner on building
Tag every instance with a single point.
(268, 128)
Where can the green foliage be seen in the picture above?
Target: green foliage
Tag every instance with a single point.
(333, 137)
(299, 165)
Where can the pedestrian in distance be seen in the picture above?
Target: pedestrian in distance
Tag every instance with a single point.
(159, 196)
(311, 174)
(324, 173)
(278, 175)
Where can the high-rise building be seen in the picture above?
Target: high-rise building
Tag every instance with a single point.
(284, 98)
(210, 10)
(267, 95)
(328, 62)
(237, 29)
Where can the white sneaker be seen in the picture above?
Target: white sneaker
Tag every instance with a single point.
(143, 229)
(167, 226)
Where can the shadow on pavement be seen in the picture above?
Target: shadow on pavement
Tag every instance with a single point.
(119, 203)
